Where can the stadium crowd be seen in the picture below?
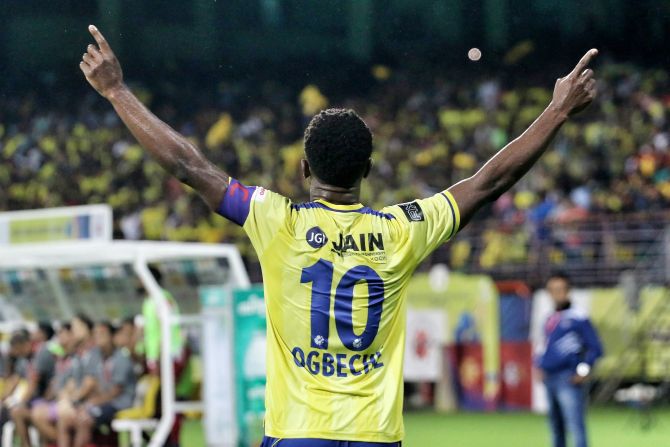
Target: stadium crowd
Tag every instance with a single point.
(430, 131)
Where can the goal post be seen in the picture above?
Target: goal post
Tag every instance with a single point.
(224, 262)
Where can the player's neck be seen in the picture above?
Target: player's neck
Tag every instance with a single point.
(334, 194)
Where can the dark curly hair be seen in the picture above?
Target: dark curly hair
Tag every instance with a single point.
(338, 145)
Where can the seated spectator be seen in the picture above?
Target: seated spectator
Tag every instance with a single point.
(126, 335)
(83, 381)
(41, 370)
(16, 373)
(87, 359)
(44, 413)
(115, 391)
(126, 338)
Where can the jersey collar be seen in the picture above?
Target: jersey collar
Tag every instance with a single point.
(334, 206)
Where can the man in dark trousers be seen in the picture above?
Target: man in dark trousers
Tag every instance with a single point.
(571, 348)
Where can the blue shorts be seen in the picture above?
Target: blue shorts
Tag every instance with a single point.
(274, 442)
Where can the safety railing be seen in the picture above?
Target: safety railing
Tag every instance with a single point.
(593, 251)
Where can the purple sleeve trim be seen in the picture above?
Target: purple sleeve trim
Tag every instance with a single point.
(236, 202)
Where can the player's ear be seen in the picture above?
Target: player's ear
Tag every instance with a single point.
(368, 168)
(304, 167)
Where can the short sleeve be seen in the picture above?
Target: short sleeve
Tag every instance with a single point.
(75, 370)
(45, 362)
(122, 369)
(63, 373)
(21, 368)
(260, 212)
(428, 222)
(92, 363)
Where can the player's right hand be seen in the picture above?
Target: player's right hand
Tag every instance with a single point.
(574, 92)
(100, 66)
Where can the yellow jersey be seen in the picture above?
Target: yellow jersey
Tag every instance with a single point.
(335, 279)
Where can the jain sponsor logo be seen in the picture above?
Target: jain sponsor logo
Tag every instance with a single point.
(316, 238)
(364, 242)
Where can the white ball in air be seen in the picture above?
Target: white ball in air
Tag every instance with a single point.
(474, 54)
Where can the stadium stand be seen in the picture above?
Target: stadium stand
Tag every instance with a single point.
(429, 132)
(242, 79)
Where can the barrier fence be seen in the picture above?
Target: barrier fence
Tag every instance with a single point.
(594, 251)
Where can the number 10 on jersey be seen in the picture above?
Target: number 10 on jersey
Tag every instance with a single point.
(321, 277)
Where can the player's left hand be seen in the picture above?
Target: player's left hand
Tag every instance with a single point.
(100, 66)
(574, 92)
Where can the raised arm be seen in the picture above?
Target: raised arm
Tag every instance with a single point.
(571, 95)
(170, 149)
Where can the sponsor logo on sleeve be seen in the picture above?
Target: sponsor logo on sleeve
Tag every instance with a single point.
(261, 194)
(413, 211)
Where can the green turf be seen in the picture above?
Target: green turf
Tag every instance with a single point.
(607, 428)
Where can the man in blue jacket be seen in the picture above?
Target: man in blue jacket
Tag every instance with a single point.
(572, 347)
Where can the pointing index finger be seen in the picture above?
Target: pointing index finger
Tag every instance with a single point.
(100, 39)
(584, 62)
